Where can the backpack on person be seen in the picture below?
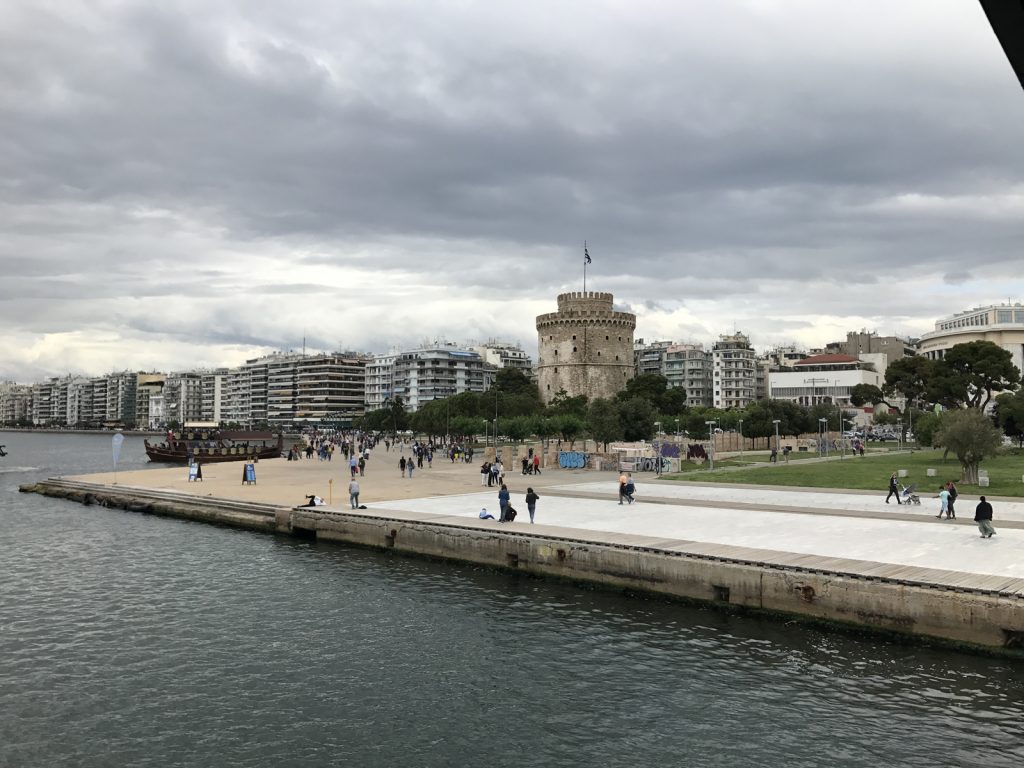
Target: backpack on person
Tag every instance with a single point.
(510, 514)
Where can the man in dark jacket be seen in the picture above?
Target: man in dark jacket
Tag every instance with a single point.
(983, 517)
(894, 489)
(503, 500)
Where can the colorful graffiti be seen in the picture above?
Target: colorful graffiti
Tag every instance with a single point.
(572, 459)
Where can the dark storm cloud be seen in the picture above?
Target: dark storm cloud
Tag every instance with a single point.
(182, 152)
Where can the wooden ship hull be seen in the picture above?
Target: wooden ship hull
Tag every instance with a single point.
(215, 447)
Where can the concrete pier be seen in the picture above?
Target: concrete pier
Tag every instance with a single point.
(666, 544)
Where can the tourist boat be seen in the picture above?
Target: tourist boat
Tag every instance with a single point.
(214, 445)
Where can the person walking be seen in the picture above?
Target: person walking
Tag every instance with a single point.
(630, 488)
(485, 474)
(531, 502)
(943, 502)
(401, 467)
(983, 517)
(410, 465)
(536, 464)
(362, 466)
(353, 493)
(953, 493)
(894, 489)
(503, 500)
(622, 487)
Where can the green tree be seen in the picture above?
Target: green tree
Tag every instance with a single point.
(863, 394)
(603, 417)
(568, 427)
(757, 420)
(926, 428)
(512, 381)
(637, 418)
(909, 377)
(468, 426)
(976, 369)
(1010, 414)
(970, 435)
(431, 418)
(649, 386)
(518, 428)
(562, 403)
(673, 404)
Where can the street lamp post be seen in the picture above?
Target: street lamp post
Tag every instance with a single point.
(711, 441)
(842, 436)
(899, 433)
(741, 438)
(823, 437)
(677, 430)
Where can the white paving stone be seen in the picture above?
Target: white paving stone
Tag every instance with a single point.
(928, 543)
(798, 497)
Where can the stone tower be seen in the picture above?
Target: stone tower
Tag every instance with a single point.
(585, 347)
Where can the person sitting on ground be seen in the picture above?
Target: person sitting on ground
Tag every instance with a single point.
(485, 515)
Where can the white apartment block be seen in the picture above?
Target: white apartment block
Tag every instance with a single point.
(504, 355)
(434, 373)
(734, 372)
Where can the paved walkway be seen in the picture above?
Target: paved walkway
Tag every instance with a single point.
(853, 525)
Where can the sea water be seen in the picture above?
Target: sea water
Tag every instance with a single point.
(133, 640)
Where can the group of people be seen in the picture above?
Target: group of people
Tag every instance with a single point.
(947, 497)
(507, 514)
(626, 487)
(492, 473)
(531, 464)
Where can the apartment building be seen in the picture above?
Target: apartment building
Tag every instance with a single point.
(734, 372)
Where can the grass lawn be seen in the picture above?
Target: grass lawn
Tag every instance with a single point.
(871, 473)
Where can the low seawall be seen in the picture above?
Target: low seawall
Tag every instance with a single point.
(914, 606)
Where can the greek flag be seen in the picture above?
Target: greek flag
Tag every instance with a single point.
(586, 254)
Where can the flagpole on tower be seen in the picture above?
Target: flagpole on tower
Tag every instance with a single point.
(586, 260)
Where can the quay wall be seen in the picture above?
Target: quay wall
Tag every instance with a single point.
(977, 620)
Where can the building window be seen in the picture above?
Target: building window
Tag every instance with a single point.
(574, 338)
(574, 349)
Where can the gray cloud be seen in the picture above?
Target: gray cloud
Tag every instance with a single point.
(238, 174)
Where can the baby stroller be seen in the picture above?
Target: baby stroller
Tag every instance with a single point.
(909, 494)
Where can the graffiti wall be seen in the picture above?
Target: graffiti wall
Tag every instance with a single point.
(572, 459)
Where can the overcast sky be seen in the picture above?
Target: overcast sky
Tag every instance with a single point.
(188, 184)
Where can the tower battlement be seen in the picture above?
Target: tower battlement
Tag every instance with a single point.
(582, 301)
(585, 348)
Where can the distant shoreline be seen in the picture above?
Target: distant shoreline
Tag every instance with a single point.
(54, 431)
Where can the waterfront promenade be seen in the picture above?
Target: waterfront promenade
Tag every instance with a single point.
(856, 525)
(834, 555)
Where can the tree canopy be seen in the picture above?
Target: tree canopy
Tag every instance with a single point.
(969, 434)
(973, 371)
